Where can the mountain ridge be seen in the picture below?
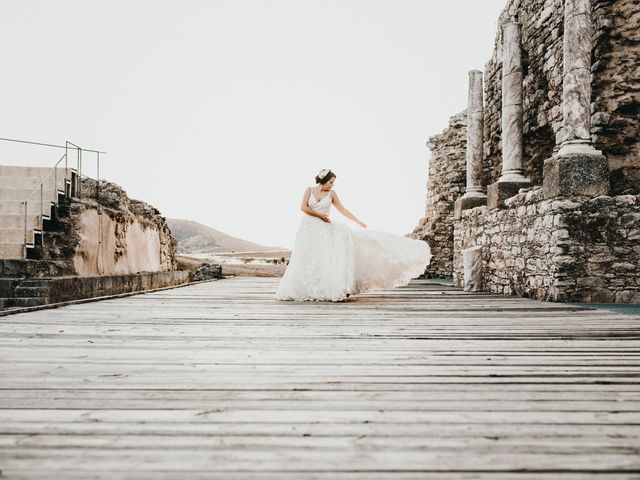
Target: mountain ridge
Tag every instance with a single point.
(195, 237)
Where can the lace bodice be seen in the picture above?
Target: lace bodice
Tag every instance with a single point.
(322, 206)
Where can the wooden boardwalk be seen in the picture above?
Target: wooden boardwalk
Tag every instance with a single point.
(220, 381)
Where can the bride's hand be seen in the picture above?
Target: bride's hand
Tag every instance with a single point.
(363, 225)
(325, 218)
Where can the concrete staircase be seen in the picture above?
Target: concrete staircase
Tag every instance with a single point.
(18, 184)
(22, 293)
(23, 282)
(32, 283)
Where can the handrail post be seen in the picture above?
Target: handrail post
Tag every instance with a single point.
(24, 245)
(98, 177)
(66, 167)
(79, 172)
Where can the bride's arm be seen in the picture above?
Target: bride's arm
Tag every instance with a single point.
(304, 206)
(342, 209)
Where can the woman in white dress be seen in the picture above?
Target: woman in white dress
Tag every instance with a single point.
(330, 260)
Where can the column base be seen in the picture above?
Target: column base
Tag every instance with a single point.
(576, 174)
(498, 192)
(466, 203)
(574, 147)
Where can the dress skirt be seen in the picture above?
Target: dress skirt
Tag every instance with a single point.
(330, 261)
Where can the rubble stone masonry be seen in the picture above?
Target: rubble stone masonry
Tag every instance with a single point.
(566, 248)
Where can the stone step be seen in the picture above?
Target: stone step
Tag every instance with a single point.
(15, 235)
(18, 171)
(15, 270)
(7, 286)
(32, 290)
(21, 194)
(17, 207)
(28, 302)
(9, 221)
(32, 183)
(11, 250)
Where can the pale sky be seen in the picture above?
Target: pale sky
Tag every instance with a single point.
(223, 112)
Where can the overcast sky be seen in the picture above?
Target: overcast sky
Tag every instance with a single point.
(223, 112)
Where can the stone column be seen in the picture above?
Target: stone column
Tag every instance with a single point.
(578, 168)
(475, 121)
(576, 78)
(512, 177)
(474, 193)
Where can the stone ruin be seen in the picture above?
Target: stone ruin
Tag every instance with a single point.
(97, 244)
(537, 183)
(110, 233)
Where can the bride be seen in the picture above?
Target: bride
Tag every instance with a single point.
(330, 261)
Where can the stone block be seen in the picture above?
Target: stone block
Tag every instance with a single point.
(466, 203)
(628, 296)
(7, 285)
(498, 192)
(14, 268)
(472, 262)
(576, 174)
(28, 302)
(207, 271)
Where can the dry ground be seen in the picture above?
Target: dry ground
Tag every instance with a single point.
(186, 262)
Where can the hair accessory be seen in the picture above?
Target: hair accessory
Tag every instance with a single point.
(323, 173)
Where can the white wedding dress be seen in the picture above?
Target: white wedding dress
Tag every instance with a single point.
(330, 261)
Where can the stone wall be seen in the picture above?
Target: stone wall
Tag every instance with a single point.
(616, 88)
(110, 234)
(563, 249)
(446, 180)
(542, 22)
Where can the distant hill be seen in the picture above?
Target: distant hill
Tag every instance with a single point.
(194, 237)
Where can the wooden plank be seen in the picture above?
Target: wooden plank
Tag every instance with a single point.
(234, 415)
(302, 459)
(513, 443)
(524, 395)
(158, 356)
(331, 429)
(307, 475)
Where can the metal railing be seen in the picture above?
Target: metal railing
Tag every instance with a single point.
(25, 203)
(75, 187)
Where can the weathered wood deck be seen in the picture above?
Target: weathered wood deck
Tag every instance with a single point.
(218, 380)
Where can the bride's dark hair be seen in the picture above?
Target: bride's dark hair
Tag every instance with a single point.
(326, 178)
